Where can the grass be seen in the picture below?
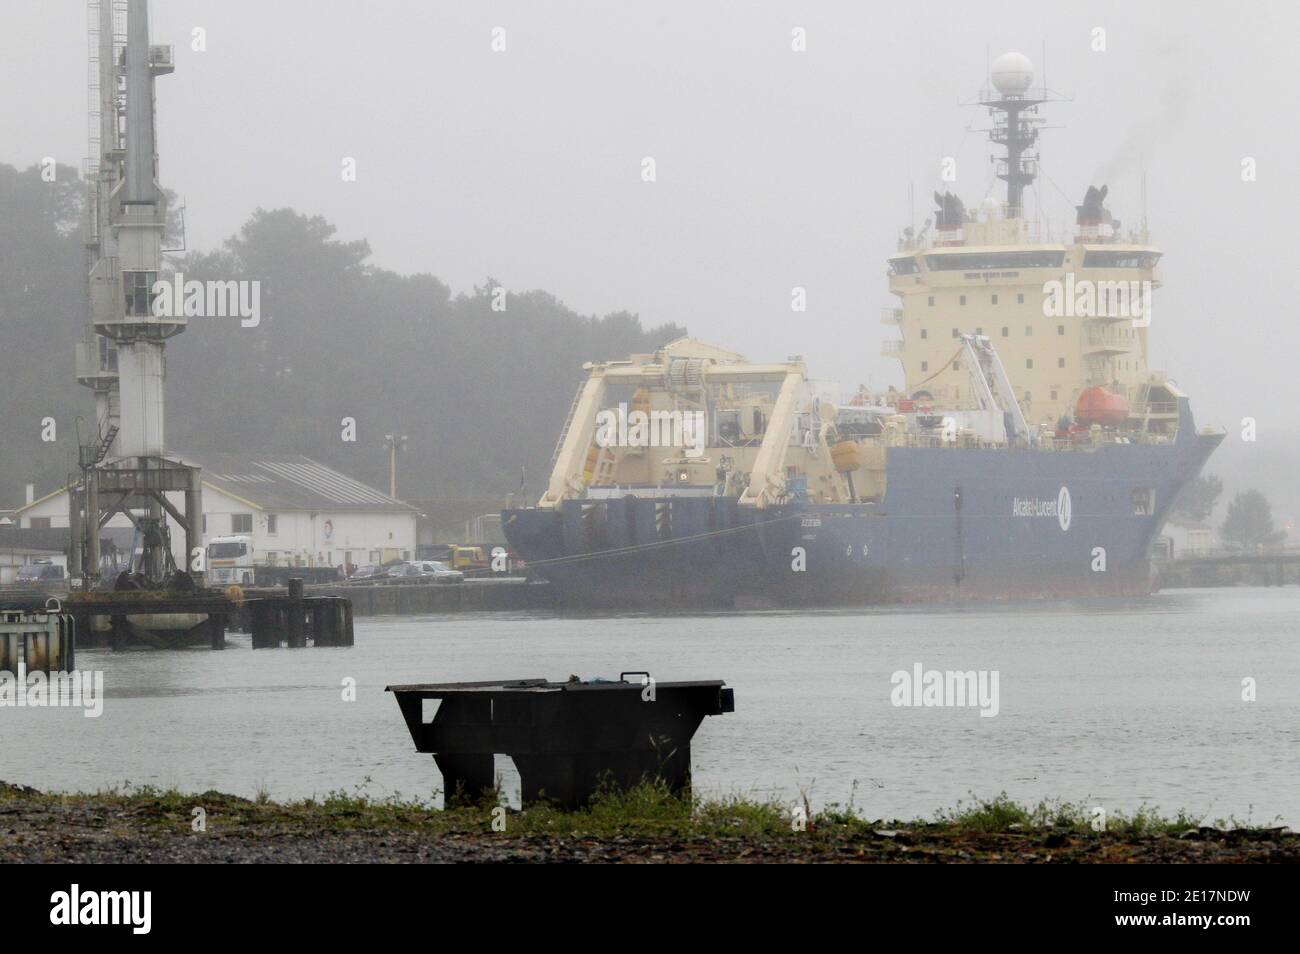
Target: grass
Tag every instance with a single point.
(646, 811)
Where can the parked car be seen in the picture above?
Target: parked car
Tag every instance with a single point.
(367, 572)
(439, 571)
(40, 572)
(404, 570)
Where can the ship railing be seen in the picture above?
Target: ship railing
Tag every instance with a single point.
(1046, 442)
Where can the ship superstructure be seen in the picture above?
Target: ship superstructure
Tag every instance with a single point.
(1066, 316)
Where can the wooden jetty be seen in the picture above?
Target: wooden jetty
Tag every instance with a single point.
(274, 617)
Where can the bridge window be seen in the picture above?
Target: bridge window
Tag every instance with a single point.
(970, 261)
(1118, 259)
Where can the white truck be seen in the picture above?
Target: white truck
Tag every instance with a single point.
(233, 559)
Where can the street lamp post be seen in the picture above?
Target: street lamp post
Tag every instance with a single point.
(394, 442)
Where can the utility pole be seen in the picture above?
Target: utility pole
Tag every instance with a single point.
(394, 442)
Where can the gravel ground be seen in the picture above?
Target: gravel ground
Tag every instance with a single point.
(114, 829)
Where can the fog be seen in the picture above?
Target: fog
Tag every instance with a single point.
(774, 168)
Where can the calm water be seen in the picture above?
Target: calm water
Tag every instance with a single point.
(1116, 703)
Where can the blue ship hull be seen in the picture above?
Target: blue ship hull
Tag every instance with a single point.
(954, 524)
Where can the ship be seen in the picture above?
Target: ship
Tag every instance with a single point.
(1030, 454)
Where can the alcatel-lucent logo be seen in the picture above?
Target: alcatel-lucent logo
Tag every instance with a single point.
(1060, 508)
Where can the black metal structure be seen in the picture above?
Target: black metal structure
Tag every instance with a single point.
(566, 738)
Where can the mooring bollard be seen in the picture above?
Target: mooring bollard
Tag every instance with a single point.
(294, 609)
(566, 738)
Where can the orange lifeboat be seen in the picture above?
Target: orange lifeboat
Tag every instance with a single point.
(1099, 406)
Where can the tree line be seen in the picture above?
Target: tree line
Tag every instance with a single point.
(479, 382)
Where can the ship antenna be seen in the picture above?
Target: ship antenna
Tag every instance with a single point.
(1015, 124)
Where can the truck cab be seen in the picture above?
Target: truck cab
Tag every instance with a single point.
(230, 560)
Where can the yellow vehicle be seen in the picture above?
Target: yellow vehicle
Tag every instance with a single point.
(459, 557)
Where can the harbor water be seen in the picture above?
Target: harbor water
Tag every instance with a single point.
(1120, 704)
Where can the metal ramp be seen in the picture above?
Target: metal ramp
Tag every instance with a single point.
(568, 420)
(993, 388)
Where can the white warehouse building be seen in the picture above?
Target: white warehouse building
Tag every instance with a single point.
(297, 511)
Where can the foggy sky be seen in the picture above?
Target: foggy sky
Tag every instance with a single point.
(775, 168)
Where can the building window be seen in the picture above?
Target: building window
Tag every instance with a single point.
(995, 299)
(925, 365)
(979, 331)
(1005, 331)
(931, 301)
(961, 300)
(1029, 363)
(924, 333)
(205, 523)
(955, 332)
(374, 556)
(1060, 362)
(1060, 329)
(1053, 395)
(1020, 299)
(39, 523)
(956, 365)
(138, 287)
(270, 524)
(1143, 502)
(241, 523)
(1029, 330)
(1028, 397)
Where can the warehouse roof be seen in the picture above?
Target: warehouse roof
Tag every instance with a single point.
(278, 482)
(291, 482)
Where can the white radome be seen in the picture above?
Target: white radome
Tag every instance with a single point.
(1012, 73)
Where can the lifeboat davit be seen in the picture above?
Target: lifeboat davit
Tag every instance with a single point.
(1099, 406)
